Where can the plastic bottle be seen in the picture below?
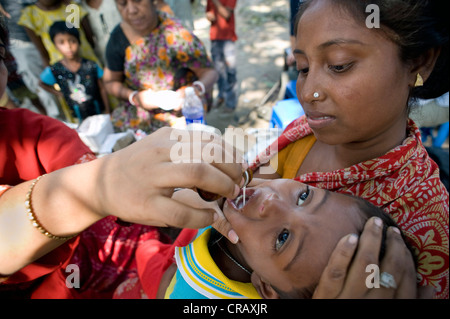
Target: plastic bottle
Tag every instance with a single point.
(192, 107)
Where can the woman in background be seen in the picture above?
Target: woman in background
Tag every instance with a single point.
(148, 52)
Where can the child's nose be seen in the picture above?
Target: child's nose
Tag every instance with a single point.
(270, 205)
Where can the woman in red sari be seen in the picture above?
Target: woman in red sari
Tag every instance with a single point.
(104, 252)
(151, 52)
(54, 213)
(32, 145)
(355, 84)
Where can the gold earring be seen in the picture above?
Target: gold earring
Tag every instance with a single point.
(419, 81)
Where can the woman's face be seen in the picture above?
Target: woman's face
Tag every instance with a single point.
(357, 71)
(139, 14)
(286, 226)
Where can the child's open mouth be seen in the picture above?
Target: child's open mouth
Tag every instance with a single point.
(243, 198)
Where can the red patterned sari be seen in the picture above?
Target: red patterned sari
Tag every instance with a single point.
(32, 145)
(405, 183)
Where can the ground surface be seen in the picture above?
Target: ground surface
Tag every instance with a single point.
(263, 30)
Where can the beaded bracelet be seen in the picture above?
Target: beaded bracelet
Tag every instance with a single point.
(32, 216)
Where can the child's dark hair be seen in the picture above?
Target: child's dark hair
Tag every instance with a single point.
(416, 26)
(371, 210)
(63, 27)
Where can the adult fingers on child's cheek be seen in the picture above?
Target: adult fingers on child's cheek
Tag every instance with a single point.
(334, 276)
(397, 269)
(222, 225)
(173, 213)
(370, 243)
(367, 254)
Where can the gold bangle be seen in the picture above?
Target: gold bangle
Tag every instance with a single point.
(32, 216)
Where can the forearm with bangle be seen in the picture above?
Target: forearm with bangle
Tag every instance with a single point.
(33, 218)
(200, 86)
(63, 204)
(127, 94)
(22, 240)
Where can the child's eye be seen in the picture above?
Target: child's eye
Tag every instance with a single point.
(303, 196)
(281, 239)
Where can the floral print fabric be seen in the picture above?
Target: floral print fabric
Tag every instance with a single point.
(157, 62)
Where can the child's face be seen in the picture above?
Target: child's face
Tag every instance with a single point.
(67, 44)
(286, 226)
(362, 83)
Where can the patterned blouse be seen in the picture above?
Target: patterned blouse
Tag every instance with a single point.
(154, 60)
(163, 60)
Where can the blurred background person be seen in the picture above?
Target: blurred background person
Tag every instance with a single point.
(27, 57)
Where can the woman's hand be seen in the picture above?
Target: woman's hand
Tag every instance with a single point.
(135, 184)
(346, 275)
(165, 99)
(138, 181)
(144, 99)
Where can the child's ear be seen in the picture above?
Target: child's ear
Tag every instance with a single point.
(263, 288)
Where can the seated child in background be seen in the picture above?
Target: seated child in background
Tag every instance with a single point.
(79, 79)
(38, 17)
(287, 232)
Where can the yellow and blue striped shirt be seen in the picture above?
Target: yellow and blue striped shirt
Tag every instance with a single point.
(198, 276)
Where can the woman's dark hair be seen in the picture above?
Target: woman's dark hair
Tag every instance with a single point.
(4, 33)
(62, 27)
(416, 26)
